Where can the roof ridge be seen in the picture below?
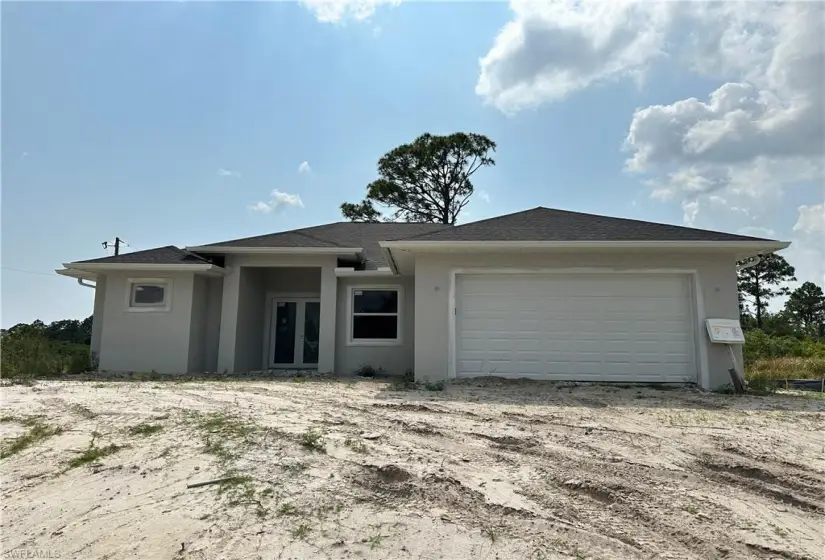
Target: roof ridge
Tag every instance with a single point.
(585, 214)
(638, 221)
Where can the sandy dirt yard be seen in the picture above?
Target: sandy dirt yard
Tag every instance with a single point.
(359, 469)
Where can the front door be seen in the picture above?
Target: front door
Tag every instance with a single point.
(294, 333)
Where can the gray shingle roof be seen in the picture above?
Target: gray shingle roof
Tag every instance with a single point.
(538, 224)
(339, 234)
(160, 255)
(547, 224)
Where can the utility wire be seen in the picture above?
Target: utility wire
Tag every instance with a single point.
(29, 271)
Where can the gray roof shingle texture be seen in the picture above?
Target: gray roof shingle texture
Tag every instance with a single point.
(538, 224)
(340, 234)
(161, 255)
(546, 224)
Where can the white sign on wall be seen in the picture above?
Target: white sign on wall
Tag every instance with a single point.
(725, 331)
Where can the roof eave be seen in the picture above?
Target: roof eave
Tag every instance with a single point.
(88, 270)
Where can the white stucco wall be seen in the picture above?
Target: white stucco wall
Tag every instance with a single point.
(716, 293)
(146, 341)
(395, 360)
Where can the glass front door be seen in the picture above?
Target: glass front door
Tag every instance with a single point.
(294, 333)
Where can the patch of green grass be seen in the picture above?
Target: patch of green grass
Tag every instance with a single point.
(691, 509)
(144, 429)
(312, 439)
(301, 531)
(37, 432)
(94, 453)
(356, 445)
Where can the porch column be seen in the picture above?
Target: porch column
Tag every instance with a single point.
(326, 331)
(229, 319)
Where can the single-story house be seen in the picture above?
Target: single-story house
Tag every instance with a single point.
(540, 294)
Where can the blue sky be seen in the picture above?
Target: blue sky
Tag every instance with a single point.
(164, 123)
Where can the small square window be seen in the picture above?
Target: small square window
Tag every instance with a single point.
(148, 295)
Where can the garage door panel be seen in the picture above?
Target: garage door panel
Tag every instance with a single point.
(584, 327)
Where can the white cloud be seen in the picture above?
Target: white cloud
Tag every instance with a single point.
(228, 173)
(757, 231)
(340, 11)
(304, 167)
(262, 207)
(727, 155)
(277, 199)
(811, 220)
(551, 49)
(807, 250)
(759, 133)
(483, 195)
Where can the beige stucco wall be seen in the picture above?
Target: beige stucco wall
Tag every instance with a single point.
(214, 296)
(393, 359)
(243, 305)
(97, 317)
(198, 325)
(146, 341)
(249, 333)
(716, 294)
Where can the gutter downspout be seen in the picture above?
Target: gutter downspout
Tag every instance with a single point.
(80, 281)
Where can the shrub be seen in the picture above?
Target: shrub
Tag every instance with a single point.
(759, 345)
(25, 354)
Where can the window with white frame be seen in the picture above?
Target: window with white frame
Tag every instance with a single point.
(150, 294)
(376, 316)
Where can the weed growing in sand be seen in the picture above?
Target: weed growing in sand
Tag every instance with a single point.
(145, 429)
(491, 533)
(691, 509)
(780, 531)
(226, 424)
(375, 540)
(93, 453)
(356, 445)
(37, 432)
(434, 385)
(295, 466)
(240, 490)
(312, 439)
(221, 432)
(301, 531)
(287, 508)
(83, 411)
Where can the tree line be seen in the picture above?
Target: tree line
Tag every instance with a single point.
(67, 330)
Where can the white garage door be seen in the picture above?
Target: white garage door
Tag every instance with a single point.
(584, 327)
